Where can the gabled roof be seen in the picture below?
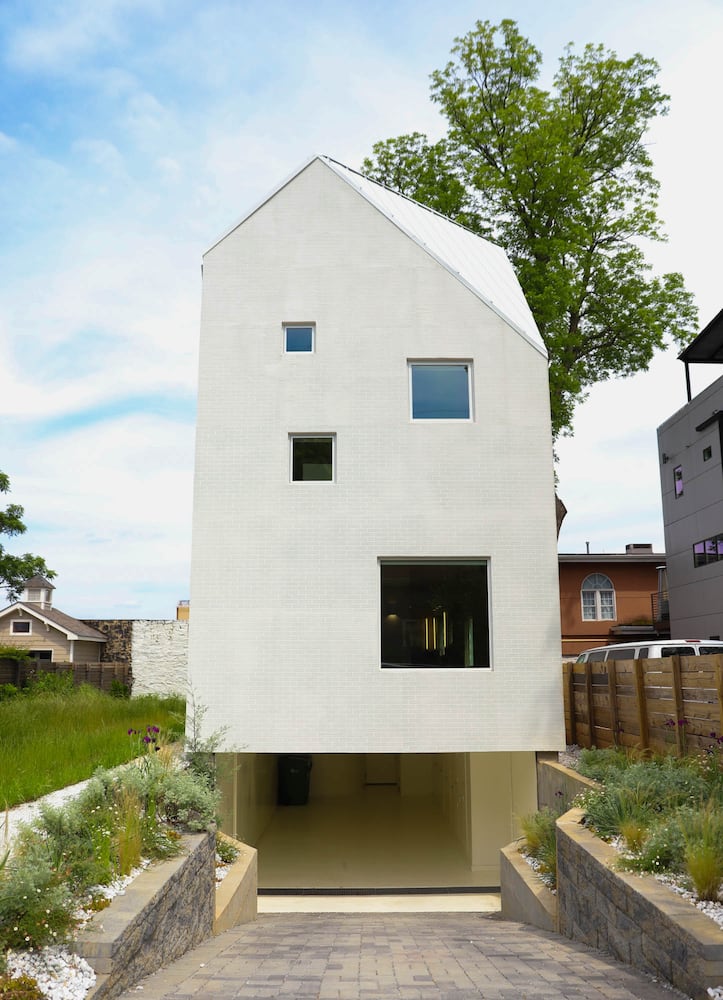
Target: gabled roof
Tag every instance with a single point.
(38, 582)
(72, 627)
(482, 266)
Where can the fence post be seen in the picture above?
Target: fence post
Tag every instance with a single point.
(568, 701)
(642, 706)
(613, 698)
(680, 741)
(590, 708)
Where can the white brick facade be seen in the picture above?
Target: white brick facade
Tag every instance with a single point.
(285, 593)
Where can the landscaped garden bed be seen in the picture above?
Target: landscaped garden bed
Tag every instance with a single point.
(652, 826)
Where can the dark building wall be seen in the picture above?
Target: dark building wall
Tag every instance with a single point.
(119, 634)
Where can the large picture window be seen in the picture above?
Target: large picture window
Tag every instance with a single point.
(440, 390)
(435, 614)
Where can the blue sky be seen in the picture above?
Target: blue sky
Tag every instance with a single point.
(134, 132)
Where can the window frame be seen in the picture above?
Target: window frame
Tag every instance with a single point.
(466, 363)
(678, 485)
(21, 621)
(306, 437)
(597, 601)
(481, 561)
(299, 326)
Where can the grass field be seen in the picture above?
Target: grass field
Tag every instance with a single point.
(49, 740)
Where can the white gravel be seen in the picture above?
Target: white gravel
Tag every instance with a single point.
(60, 974)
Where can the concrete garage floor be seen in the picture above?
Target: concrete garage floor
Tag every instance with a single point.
(374, 841)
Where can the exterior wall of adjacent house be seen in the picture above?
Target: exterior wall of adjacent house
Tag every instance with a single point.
(285, 645)
(696, 609)
(45, 637)
(633, 581)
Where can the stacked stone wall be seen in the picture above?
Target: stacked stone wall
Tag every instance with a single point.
(119, 638)
(166, 911)
(632, 917)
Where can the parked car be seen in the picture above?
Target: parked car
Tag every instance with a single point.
(651, 650)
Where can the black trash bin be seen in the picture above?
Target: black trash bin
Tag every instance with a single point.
(294, 774)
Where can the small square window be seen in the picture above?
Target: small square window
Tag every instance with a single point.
(312, 459)
(21, 628)
(707, 453)
(299, 339)
(440, 390)
(678, 480)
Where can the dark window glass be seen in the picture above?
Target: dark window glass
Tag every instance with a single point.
(707, 453)
(643, 652)
(678, 480)
(699, 554)
(20, 628)
(312, 459)
(440, 392)
(677, 651)
(709, 650)
(299, 339)
(434, 615)
(622, 654)
(597, 657)
(711, 550)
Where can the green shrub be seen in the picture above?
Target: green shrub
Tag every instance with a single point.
(8, 691)
(36, 908)
(703, 835)
(226, 851)
(119, 690)
(540, 832)
(20, 988)
(662, 849)
(41, 682)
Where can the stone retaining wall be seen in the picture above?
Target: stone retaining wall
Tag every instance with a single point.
(164, 912)
(632, 917)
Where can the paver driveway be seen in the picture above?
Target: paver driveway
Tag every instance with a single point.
(418, 956)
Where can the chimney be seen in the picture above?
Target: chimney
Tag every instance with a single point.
(637, 548)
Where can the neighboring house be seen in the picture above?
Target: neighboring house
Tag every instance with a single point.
(690, 444)
(33, 623)
(374, 569)
(608, 597)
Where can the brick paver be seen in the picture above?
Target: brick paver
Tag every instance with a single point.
(416, 956)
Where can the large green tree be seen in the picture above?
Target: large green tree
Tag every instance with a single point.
(15, 570)
(563, 180)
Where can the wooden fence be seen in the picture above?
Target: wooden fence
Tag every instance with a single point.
(671, 704)
(100, 675)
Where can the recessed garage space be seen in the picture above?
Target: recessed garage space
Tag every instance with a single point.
(378, 821)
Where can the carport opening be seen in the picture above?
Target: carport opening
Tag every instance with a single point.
(357, 822)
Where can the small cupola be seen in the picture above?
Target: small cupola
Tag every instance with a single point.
(38, 590)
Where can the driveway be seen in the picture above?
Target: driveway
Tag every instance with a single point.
(419, 956)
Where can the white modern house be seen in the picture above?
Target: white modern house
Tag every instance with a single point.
(374, 572)
(690, 451)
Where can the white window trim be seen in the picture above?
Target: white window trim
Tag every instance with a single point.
(598, 603)
(312, 482)
(417, 362)
(24, 621)
(293, 326)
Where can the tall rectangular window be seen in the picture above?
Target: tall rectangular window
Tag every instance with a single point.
(298, 339)
(312, 458)
(678, 480)
(440, 390)
(434, 614)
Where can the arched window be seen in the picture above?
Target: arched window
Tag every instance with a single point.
(598, 598)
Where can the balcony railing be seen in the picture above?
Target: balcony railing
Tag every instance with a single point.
(659, 606)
